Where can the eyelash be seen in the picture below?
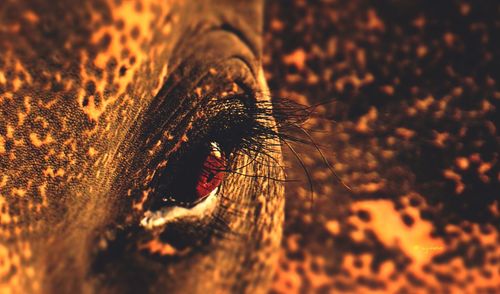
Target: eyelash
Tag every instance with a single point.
(260, 121)
(257, 123)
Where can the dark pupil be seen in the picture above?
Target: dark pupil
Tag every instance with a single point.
(190, 178)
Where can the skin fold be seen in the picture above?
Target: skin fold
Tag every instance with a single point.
(95, 97)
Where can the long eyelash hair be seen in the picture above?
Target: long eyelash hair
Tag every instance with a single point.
(256, 123)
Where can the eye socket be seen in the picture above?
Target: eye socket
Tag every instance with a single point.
(184, 189)
(193, 179)
(192, 176)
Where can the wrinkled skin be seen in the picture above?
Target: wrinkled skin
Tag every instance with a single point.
(94, 98)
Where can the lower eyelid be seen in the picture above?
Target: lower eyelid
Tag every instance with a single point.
(163, 216)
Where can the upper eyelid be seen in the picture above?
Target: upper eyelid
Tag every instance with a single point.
(219, 110)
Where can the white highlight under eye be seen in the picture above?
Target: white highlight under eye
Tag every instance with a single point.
(159, 218)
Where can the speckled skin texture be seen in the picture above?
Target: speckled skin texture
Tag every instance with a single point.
(94, 98)
(411, 127)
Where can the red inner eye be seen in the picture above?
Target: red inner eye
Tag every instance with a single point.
(212, 174)
(191, 177)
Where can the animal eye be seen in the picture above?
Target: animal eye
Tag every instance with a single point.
(194, 175)
(185, 189)
(191, 186)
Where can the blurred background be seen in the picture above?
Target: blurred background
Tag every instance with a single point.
(408, 118)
